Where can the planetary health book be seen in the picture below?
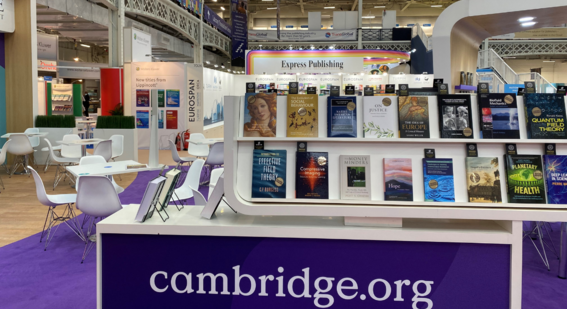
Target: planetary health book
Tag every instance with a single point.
(483, 180)
(556, 178)
(312, 175)
(438, 180)
(355, 177)
(499, 116)
(398, 179)
(524, 177)
(268, 173)
(413, 117)
(302, 117)
(379, 117)
(341, 117)
(545, 115)
(455, 120)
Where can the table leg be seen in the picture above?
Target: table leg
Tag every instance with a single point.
(563, 252)
(84, 150)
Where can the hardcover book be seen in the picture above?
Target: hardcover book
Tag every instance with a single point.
(483, 180)
(438, 180)
(545, 115)
(413, 117)
(341, 117)
(355, 177)
(302, 117)
(524, 177)
(499, 116)
(268, 173)
(398, 184)
(556, 178)
(455, 120)
(311, 175)
(150, 198)
(260, 113)
(168, 188)
(380, 119)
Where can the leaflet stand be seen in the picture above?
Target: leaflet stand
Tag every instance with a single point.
(152, 207)
(169, 195)
(214, 200)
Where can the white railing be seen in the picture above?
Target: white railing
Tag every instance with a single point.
(417, 30)
(542, 84)
(495, 83)
(490, 59)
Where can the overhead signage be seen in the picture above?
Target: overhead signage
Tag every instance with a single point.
(7, 19)
(137, 45)
(47, 46)
(46, 65)
(239, 18)
(215, 20)
(48, 78)
(293, 35)
(78, 72)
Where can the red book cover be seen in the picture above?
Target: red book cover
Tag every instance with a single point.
(171, 119)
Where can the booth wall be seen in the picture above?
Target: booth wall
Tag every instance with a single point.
(421, 59)
(217, 85)
(111, 89)
(464, 52)
(2, 90)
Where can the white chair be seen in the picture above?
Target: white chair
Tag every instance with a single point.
(61, 172)
(104, 149)
(52, 201)
(55, 148)
(21, 148)
(200, 151)
(73, 151)
(199, 199)
(34, 140)
(117, 146)
(175, 155)
(96, 159)
(97, 199)
(215, 175)
(3, 152)
(191, 181)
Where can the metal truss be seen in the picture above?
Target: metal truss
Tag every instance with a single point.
(350, 45)
(528, 47)
(211, 37)
(377, 34)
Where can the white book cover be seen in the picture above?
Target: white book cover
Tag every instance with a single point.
(380, 117)
(149, 197)
(355, 177)
(169, 182)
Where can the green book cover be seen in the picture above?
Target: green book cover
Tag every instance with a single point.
(524, 177)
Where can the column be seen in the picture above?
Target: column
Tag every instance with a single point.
(359, 24)
(115, 35)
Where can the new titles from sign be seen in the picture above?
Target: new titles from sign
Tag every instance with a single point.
(149, 82)
(312, 64)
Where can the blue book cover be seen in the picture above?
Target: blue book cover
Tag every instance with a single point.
(498, 116)
(556, 178)
(545, 115)
(341, 117)
(172, 98)
(268, 173)
(438, 180)
(311, 175)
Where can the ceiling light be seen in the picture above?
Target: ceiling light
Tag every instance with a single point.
(272, 8)
(228, 70)
(548, 60)
(413, 50)
(380, 7)
(216, 65)
(529, 24)
(437, 6)
(368, 16)
(329, 7)
(85, 45)
(260, 45)
(214, 0)
(268, 0)
(76, 58)
(208, 62)
(222, 66)
(222, 8)
(526, 19)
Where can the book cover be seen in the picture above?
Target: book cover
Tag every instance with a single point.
(172, 177)
(455, 118)
(172, 98)
(341, 117)
(161, 98)
(160, 119)
(143, 119)
(171, 119)
(302, 115)
(379, 117)
(545, 115)
(524, 177)
(150, 197)
(142, 98)
(483, 180)
(413, 117)
(398, 183)
(260, 113)
(355, 177)
(438, 180)
(556, 178)
(498, 116)
(311, 175)
(268, 173)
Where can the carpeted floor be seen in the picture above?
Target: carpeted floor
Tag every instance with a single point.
(33, 278)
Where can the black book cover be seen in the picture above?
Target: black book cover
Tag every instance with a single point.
(311, 175)
(498, 116)
(545, 115)
(455, 117)
(524, 178)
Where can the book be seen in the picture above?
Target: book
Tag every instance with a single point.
(142, 98)
(524, 178)
(260, 115)
(269, 173)
(302, 117)
(498, 116)
(438, 180)
(355, 177)
(311, 175)
(455, 119)
(171, 119)
(150, 198)
(545, 115)
(172, 98)
(398, 183)
(168, 188)
(341, 117)
(483, 180)
(379, 117)
(556, 178)
(413, 117)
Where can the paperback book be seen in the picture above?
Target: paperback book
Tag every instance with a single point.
(498, 116)
(260, 113)
(438, 180)
(398, 184)
(341, 117)
(545, 115)
(556, 178)
(168, 188)
(413, 117)
(311, 175)
(355, 177)
(455, 120)
(524, 177)
(302, 117)
(268, 173)
(483, 180)
(149, 200)
(379, 117)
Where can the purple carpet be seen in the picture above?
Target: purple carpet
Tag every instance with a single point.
(33, 278)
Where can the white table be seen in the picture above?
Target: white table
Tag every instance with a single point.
(87, 124)
(40, 134)
(83, 143)
(207, 141)
(110, 168)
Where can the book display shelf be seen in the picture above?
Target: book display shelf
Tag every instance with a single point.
(62, 99)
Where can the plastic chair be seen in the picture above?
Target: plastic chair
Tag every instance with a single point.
(96, 198)
(175, 155)
(199, 151)
(215, 175)
(61, 172)
(199, 198)
(95, 159)
(191, 181)
(3, 152)
(104, 149)
(52, 201)
(117, 146)
(71, 151)
(48, 158)
(216, 156)
(21, 148)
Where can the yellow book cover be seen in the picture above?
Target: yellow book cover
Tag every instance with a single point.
(302, 117)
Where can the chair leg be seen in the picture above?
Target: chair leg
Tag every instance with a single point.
(47, 161)
(89, 241)
(2, 182)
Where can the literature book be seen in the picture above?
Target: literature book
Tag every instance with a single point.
(438, 180)
(380, 119)
(355, 177)
(341, 117)
(161, 98)
(168, 188)
(545, 115)
(524, 177)
(556, 178)
(498, 116)
(398, 183)
(260, 113)
(268, 173)
(455, 118)
(311, 175)
(483, 180)
(302, 117)
(150, 197)
(413, 117)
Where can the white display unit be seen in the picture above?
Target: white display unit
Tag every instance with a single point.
(62, 99)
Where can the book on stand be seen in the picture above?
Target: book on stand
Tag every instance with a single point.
(556, 178)
(379, 117)
(302, 115)
(311, 175)
(455, 117)
(438, 180)
(498, 116)
(260, 115)
(341, 117)
(524, 179)
(269, 173)
(398, 183)
(355, 177)
(168, 188)
(150, 198)
(413, 117)
(545, 115)
(483, 180)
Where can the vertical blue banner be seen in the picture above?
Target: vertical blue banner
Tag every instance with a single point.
(239, 10)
